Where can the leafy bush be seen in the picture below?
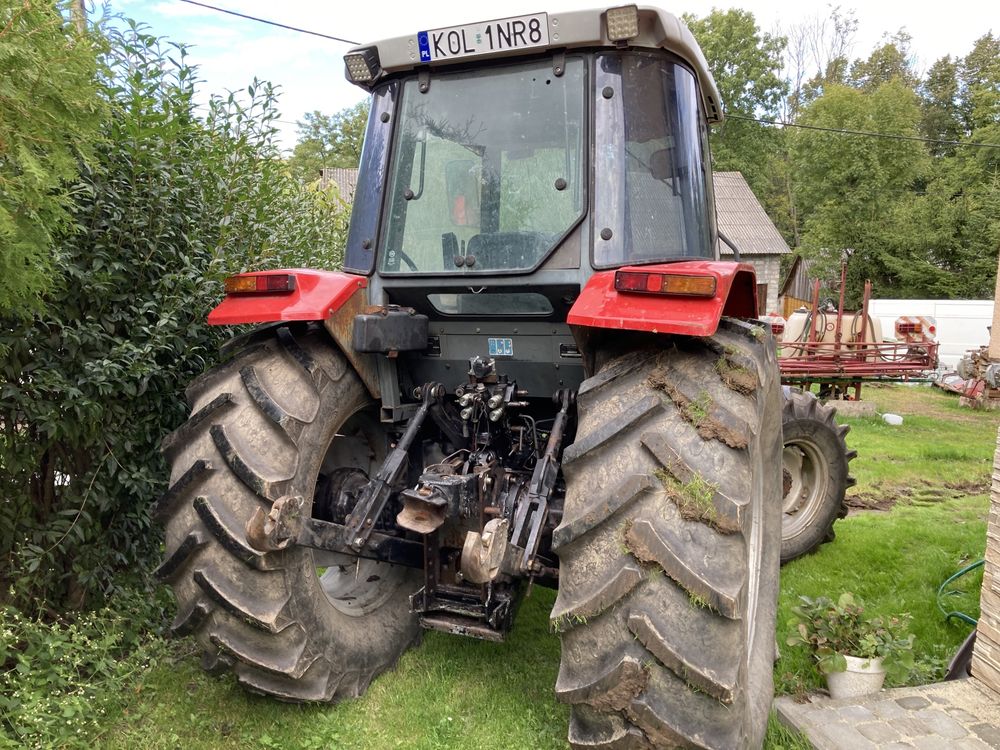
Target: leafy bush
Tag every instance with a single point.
(170, 204)
(50, 116)
(61, 679)
(835, 629)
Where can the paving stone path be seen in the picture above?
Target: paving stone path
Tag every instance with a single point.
(959, 715)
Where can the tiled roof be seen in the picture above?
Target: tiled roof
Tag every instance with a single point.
(345, 179)
(743, 220)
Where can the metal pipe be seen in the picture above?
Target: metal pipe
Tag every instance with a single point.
(840, 307)
(815, 313)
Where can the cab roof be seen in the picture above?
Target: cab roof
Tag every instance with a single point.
(577, 29)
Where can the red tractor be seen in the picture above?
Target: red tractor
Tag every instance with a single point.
(533, 367)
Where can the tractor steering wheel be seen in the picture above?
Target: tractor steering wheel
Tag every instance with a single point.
(407, 260)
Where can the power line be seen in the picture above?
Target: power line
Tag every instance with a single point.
(269, 23)
(842, 131)
(869, 133)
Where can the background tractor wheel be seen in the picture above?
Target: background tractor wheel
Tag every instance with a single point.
(815, 473)
(668, 547)
(283, 413)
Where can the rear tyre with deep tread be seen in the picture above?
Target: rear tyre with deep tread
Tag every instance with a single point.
(815, 473)
(669, 546)
(265, 424)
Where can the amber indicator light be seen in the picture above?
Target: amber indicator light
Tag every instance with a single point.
(663, 283)
(274, 283)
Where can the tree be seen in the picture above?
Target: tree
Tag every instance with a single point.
(941, 117)
(818, 50)
(891, 61)
(50, 115)
(327, 141)
(848, 188)
(980, 83)
(949, 234)
(746, 64)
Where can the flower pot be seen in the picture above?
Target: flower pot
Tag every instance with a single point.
(862, 677)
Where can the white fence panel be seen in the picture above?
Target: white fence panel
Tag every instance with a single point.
(961, 324)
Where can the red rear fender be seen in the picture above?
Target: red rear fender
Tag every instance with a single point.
(600, 305)
(316, 295)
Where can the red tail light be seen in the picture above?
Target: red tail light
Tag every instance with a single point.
(777, 328)
(916, 327)
(260, 283)
(665, 283)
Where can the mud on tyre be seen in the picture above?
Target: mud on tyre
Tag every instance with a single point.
(283, 411)
(669, 546)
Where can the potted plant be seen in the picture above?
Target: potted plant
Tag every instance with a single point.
(852, 648)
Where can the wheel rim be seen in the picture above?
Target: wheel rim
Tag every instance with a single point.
(806, 480)
(355, 586)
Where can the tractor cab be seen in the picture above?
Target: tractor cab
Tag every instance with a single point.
(494, 151)
(506, 162)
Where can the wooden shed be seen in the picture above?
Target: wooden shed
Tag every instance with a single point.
(795, 291)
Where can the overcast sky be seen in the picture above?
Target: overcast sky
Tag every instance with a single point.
(230, 51)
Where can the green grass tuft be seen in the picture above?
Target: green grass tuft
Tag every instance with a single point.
(780, 737)
(694, 498)
(698, 602)
(697, 411)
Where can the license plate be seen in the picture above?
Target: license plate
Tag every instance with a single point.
(516, 33)
(501, 347)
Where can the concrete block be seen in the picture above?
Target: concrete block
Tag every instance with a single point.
(855, 408)
(842, 735)
(910, 727)
(970, 743)
(856, 714)
(913, 702)
(940, 723)
(889, 709)
(879, 732)
(988, 733)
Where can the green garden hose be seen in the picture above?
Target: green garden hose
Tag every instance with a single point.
(942, 593)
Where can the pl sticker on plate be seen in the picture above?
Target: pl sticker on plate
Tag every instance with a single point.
(501, 347)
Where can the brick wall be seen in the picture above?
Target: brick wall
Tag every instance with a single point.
(768, 272)
(768, 268)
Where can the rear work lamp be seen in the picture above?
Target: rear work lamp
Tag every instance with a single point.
(623, 23)
(254, 283)
(363, 65)
(663, 283)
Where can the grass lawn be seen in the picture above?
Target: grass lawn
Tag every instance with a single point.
(455, 693)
